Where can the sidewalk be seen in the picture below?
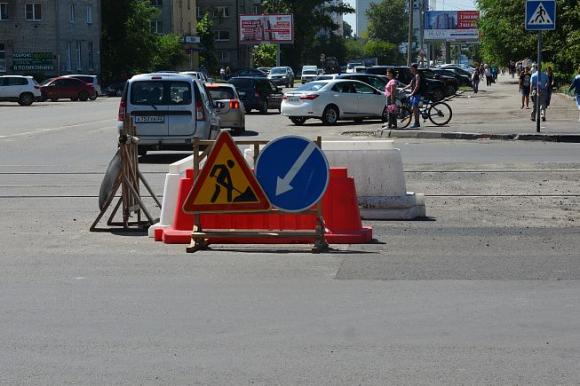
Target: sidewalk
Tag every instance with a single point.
(495, 113)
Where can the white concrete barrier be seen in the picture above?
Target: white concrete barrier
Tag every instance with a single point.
(376, 167)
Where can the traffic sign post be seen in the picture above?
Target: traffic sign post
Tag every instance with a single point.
(225, 184)
(540, 16)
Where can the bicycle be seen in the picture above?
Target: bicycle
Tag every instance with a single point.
(439, 113)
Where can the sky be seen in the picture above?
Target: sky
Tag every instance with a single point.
(442, 5)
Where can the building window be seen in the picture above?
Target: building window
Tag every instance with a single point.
(257, 9)
(79, 55)
(221, 12)
(72, 13)
(222, 36)
(89, 14)
(156, 26)
(3, 11)
(91, 56)
(157, 3)
(68, 64)
(188, 4)
(223, 56)
(33, 12)
(2, 57)
(198, 12)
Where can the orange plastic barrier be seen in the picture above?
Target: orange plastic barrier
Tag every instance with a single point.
(340, 212)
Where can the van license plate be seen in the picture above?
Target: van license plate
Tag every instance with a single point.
(149, 119)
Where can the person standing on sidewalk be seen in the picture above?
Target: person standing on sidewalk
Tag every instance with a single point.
(538, 89)
(475, 81)
(391, 95)
(550, 74)
(575, 85)
(525, 87)
(416, 93)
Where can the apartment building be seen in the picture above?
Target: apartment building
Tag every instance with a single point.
(50, 37)
(179, 17)
(225, 15)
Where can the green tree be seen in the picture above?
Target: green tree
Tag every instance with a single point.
(354, 49)
(346, 30)
(170, 53)
(388, 21)
(385, 52)
(208, 58)
(264, 55)
(310, 17)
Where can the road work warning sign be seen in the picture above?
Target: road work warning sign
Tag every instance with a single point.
(226, 183)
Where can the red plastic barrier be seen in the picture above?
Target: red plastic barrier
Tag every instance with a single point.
(339, 209)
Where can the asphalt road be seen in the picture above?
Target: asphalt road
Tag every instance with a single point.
(483, 291)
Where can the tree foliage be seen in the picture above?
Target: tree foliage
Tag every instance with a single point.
(207, 57)
(388, 21)
(310, 17)
(385, 52)
(264, 55)
(170, 53)
(504, 37)
(346, 30)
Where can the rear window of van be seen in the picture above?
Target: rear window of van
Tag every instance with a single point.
(160, 93)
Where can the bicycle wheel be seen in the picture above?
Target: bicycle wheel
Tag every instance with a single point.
(404, 116)
(440, 113)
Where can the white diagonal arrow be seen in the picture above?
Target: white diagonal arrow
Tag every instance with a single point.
(283, 184)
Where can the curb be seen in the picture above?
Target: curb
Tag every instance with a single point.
(422, 134)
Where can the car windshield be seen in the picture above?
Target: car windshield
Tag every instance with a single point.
(218, 93)
(160, 93)
(241, 83)
(310, 72)
(278, 70)
(312, 86)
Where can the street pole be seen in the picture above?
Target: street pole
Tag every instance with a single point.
(537, 102)
(422, 31)
(410, 38)
(278, 55)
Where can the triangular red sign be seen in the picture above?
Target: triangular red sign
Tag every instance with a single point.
(226, 183)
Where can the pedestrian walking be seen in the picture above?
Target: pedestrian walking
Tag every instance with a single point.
(222, 73)
(488, 75)
(475, 81)
(525, 87)
(391, 99)
(550, 86)
(538, 90)
(575, 85)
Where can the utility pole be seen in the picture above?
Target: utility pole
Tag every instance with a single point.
(410, 39)
(422, 30)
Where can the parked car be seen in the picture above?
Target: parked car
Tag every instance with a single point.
(463, 80)
(332, 100)
(168, 111)
(451, 85)
(265, 70)
(257, 93)
(115, 89)
(91, 79)
(18, 88)
(350, 66)
(229, 106)
(327, 76)
(195, 75)
(282, 76)
(434, 89)
(69, 88)
(248, 72)
(309, 73)
(377, 81)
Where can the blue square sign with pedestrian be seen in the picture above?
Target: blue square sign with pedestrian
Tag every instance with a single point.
(540, 15)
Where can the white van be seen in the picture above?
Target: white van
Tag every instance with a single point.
(309, 73)
(168, 110)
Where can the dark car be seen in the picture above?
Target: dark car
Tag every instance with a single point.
(377, 81)
(463, 80)
(248, 72)
(433, 89)
(257, 93)
(450, 82)
(69, 88)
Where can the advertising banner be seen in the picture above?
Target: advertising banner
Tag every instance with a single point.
(33, 61)
(451, 25)
(256, 29)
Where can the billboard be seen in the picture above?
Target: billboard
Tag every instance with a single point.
(256, 29)
(451, 25)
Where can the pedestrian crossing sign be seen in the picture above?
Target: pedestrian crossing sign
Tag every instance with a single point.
(225, 183)
(540, 15)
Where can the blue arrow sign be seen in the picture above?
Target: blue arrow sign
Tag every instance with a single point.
(293, 172)
(540, 15)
